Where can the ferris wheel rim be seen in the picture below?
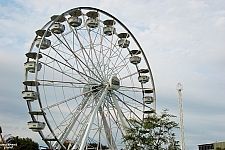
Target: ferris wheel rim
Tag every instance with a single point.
(51, 23)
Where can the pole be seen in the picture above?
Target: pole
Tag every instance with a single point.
(179, 89)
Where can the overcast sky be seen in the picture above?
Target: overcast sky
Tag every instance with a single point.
(184, 42)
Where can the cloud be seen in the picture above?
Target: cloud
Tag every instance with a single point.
(220, 22)
(183, 41)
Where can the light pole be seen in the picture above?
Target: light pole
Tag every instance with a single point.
(179, 89)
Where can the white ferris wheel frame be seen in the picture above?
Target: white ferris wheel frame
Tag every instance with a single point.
(82, 142)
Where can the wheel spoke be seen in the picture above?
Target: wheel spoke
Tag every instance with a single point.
(64, 101)
(108, 132)
(93, 114)
(124, 122)
(122, 78)
(73, 78)
(134, 99)
(128, 106)
(76, 56)
(71, 67)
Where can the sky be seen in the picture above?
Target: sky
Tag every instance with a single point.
(183, 42)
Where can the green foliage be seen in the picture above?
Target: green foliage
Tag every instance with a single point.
(24, 144)
(218, 148)
(89, 145)
(155, 132)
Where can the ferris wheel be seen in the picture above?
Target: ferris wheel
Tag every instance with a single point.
(86, 75)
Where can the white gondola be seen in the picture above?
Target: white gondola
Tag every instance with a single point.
(29, 95)
(123, 43)
(57, 28)
(148, 99)
(36, 125)
(75, 21)
(92, 22)
(135, 59)
(143, 79)
(30, 66)
(46, 43)
(109, 29)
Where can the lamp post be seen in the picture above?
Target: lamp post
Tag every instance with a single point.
(179, 89)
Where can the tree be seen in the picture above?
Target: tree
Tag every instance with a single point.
(155, 132)
(24, 144)
(93, 146)
(218, 148)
